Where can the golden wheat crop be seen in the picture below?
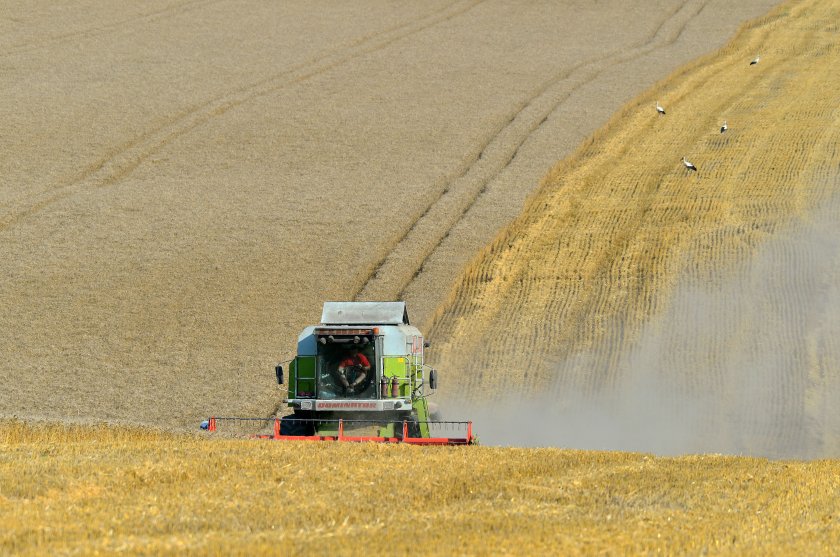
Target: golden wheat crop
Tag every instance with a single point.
(70, 489)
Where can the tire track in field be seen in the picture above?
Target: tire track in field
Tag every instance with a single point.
(121, 160)
(495, 155)
(149, 17)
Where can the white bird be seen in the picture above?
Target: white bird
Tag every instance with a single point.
(689, 166)
(724, 127)
(755, 60)
(659, 109)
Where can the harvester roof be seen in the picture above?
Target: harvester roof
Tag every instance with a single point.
(364, 313)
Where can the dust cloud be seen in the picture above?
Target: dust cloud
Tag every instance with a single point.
(741, 364)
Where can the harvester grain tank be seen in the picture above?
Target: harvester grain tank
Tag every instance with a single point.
(360, 375)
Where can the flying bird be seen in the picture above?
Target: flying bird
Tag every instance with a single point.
(724, 127)
(659, 109)
(689, 166)
(755, 60)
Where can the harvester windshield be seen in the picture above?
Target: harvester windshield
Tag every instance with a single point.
(345, 369)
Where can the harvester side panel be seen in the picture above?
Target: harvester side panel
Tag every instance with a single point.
(302, 377)
(395, 369)
(422, 408)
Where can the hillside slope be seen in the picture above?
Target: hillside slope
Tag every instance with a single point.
(184, 183)
(663, 309)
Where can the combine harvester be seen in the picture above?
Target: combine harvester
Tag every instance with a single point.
(360, 376)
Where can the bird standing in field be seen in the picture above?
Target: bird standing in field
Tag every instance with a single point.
(689, 165)
(755, 60)
(659, 109)
(724, 127)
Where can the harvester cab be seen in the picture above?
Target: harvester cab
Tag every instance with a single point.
(360, 375)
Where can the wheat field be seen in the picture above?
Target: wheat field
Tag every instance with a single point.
(102, 490)
(624, 303)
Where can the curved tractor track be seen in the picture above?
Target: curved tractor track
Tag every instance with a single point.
(415, 264)
(120, 160)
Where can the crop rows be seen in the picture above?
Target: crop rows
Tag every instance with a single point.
(623, 246)
(66, 489)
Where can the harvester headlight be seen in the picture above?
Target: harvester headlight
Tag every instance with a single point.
(322, 340)
(356, 340)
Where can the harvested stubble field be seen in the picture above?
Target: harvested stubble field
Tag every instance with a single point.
(104, 490)
(183, 183)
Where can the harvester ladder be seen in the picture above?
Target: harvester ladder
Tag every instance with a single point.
(413, 360)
